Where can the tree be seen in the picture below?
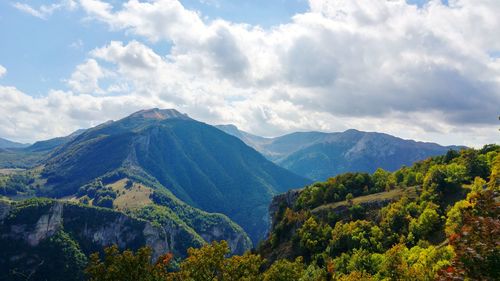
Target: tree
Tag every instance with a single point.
(205, 263)
(210, 262)
(349, 198)
(105, 202)
(427, 222)
(243, 268)
(127, 266)
(284, 270)
(395, 220)
(353, 235)
(475, 166)
(359, 260)
(494, 182)
(476, 244)
(313, 273)
(314, 236)
(380, 180)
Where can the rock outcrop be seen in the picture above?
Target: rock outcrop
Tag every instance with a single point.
(92, 228)
(281, 202)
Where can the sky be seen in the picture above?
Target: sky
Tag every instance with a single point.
(416, 69)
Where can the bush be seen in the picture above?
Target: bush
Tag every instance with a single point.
(106, 202)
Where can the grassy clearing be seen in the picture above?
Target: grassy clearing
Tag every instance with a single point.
(131, 198)
(394, 195)
(11, 171)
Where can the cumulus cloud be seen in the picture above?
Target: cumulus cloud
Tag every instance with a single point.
(85, 78)
(44, 11)
(27, 118)
(3, 70)
(426, 73)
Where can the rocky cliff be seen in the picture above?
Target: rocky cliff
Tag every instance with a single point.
(280, 202)
(29, 229)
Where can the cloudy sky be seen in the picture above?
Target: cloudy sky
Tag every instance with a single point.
(426, 70)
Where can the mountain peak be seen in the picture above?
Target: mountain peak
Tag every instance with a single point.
(159, 114)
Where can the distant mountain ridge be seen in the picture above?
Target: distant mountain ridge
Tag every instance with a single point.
(31, 155)
(318, 155)
(5, 143)
(50, 144)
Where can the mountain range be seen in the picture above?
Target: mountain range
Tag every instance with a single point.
(217, 169)
(318, 155)
(162, 179)
(167, 150)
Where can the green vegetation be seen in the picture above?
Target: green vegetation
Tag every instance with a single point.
(407, 238)
(127, 266)
(57, 258)
(21, 158)
(30, 247)
(210, 262)
(448, 230)
(437, 219)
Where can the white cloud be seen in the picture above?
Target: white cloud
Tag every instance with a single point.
(85, 79)
(77, 45)
(27, 118)
(3, 70)
(370, 64)
(44, 11)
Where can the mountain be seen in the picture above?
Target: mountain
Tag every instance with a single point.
(251, 140)
(164, 149)
(317, 155)
(4, 143)
(437, 219)
(29, 156)
(444, 208)
(50, 144)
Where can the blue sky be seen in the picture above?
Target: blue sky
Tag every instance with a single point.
(40, 53)
(427, 70)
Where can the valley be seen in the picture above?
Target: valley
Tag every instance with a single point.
(160, 179)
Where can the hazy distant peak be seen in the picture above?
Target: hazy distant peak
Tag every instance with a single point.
(4, 143)
(160, 114)
(228, 126)
(230, 129)
(353, 131)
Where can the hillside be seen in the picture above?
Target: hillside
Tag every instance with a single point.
(317, 155)
(29, 156)
(51, 144)
(435, 220)
(354, 221)
(4, 143)
(39, 232)
(164, 149)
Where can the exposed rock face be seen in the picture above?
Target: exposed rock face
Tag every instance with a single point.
(96, 228)
(47, 225)
(92, 228)
(343, 211)
(160, 114)
(282, 201)
(156, 239)
(4, 209)
(238, 243)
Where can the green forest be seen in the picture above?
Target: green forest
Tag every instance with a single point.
(436, 220)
